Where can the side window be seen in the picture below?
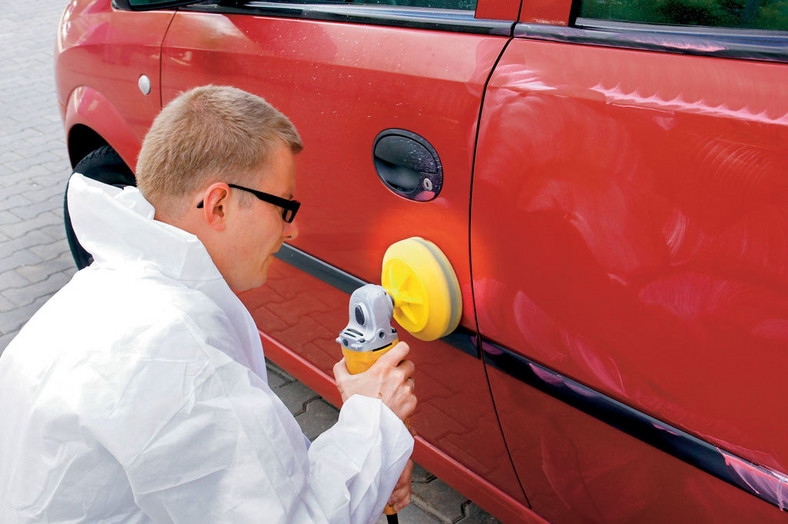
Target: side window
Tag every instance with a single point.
(746, 14)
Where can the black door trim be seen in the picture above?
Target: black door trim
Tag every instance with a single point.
(462, 338)
(317, 268)
(764, 483)
(452, 20)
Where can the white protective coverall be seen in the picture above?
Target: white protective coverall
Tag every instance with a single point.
(138, 393)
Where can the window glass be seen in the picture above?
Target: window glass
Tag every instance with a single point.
(748, 14)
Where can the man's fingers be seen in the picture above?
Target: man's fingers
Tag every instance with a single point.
(405, 501)
(407, 367)
(401, 496)
(394, 355)
(389, 379)
(400, 501)
(340, 369)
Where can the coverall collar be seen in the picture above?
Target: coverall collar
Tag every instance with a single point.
(117, 227)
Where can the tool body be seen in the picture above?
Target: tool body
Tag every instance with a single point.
(419, 290)
(369, 333)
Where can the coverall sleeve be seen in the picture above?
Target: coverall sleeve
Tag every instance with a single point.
(357, 462)
(230, 451)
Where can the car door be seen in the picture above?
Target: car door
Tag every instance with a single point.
(629, 254)
(349, 75)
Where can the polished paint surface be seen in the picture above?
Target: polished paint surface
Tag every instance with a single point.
(497, 9)
(758, 481)
(580, 470)
(640, 240)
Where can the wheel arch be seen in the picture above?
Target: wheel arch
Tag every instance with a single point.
(91, 121)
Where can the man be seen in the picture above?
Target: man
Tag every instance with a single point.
(138, 393)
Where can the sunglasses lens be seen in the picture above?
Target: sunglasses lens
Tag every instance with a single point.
(289, 213)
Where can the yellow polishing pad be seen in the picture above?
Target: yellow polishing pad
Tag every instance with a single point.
(425, 289)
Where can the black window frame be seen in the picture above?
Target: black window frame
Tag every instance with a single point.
(436, 19)
(746, 44)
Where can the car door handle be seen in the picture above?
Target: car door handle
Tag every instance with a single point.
(408, 165)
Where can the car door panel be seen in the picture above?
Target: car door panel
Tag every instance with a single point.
(342, 84)
(579, 469)
(639, 248)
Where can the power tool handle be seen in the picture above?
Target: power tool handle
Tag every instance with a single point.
(358, 362)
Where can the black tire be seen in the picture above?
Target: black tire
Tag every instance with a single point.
(105, 165)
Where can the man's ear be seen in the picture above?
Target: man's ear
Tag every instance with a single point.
(215, 205)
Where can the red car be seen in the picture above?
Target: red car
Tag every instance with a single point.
(609, 179)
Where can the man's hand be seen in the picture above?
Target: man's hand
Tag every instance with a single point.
(400, 497)
(388, 379)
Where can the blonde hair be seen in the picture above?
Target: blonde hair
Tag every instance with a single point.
(205, 134)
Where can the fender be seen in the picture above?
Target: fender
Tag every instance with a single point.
(90, 108)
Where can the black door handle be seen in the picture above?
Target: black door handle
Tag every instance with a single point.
(408, 165)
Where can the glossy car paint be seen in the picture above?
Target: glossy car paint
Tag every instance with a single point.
(649, 261)
(497, 9)
(99, 60)
(578, 470)
(553, 12)
(342, 84)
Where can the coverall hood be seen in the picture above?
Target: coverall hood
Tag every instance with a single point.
(116, 226)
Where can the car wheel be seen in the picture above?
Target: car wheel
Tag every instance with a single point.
(104, 165)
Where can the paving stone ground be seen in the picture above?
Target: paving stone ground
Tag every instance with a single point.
(35, 260)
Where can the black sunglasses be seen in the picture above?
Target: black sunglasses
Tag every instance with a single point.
(289, 207)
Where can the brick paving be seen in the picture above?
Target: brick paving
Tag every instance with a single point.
(35, 260)
(34, 257)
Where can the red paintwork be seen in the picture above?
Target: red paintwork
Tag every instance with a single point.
(497, 9)
(555, 12)
(98, 63)
(579, 470)
(646, 253)
(628, 229)
(89, 107)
